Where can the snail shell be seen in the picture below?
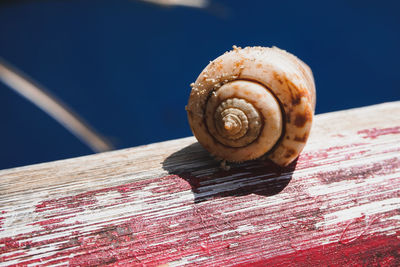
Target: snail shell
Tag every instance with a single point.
(253, 102)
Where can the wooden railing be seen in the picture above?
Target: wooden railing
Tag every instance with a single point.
(170, 203)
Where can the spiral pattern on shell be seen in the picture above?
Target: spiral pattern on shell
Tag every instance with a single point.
(253, 102)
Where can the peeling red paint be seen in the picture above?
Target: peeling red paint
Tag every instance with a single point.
(375, 251)
(343, 240)
(151, 242)
(331, 155)
(388, 166)
(51, 221)
(374, 132)
(211, 229)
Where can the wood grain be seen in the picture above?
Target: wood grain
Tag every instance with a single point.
(169, 203)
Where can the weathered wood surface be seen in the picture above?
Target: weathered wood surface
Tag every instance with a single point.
(169, 203)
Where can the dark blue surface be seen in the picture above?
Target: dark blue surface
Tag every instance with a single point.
(126, 66)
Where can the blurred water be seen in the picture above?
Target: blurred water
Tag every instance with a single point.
(126, 66)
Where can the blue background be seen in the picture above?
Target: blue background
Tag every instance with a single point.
(125, 66)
